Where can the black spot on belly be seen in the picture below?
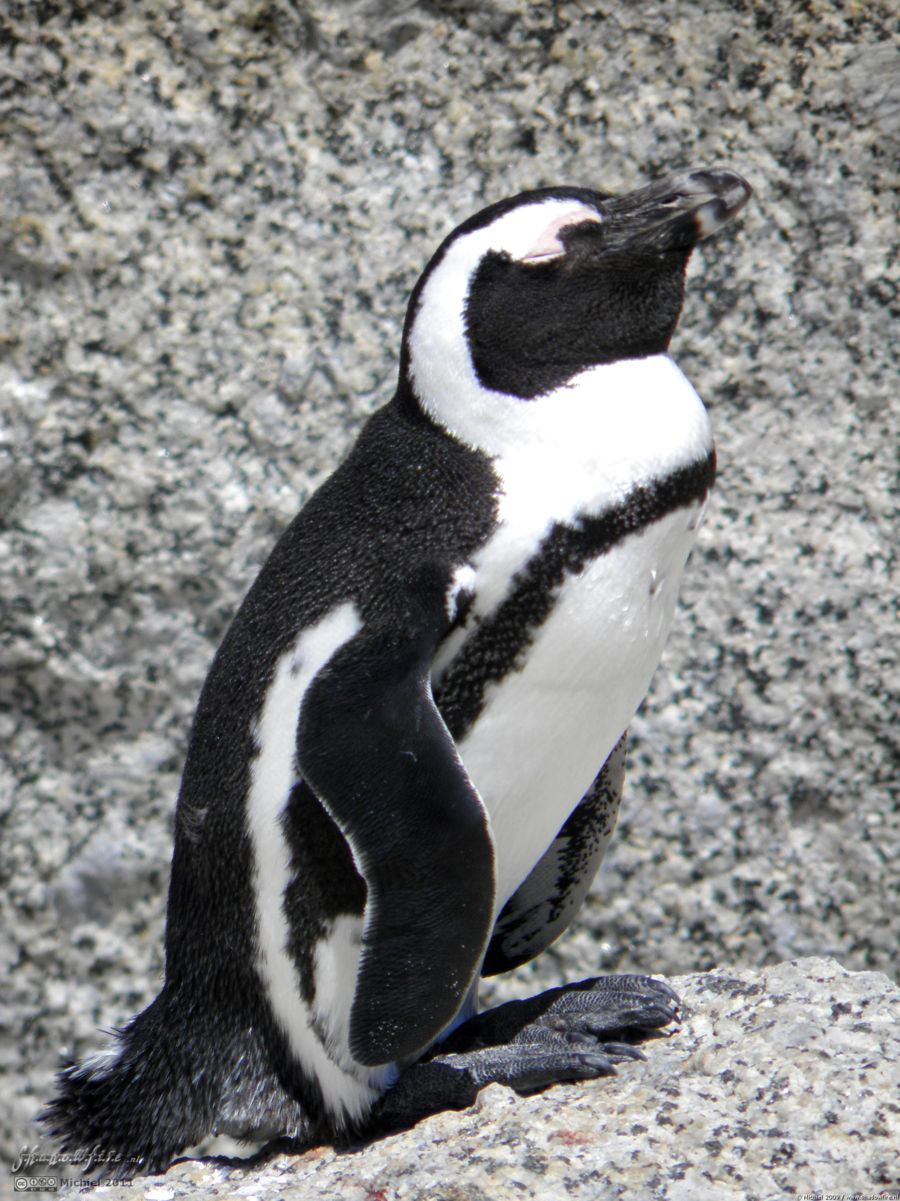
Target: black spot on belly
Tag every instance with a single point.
(499, 644)
(324, 881)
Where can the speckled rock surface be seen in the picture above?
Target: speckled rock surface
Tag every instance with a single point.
(212, 215)
(784, 1082)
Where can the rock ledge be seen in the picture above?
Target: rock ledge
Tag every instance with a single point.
(780, 1081)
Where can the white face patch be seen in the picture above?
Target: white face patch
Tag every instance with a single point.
(440, 366)
(347, 1088)
(629, 415)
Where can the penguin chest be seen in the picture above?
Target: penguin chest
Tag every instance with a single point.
(547, 725)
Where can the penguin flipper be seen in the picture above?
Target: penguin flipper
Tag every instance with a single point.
(576, 1032)
(375, 750)
(548, 899)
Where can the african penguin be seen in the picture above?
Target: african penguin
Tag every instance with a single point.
(407, 757)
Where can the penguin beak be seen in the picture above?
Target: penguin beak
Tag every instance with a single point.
(674, 213)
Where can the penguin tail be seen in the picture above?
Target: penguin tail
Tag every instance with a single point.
(132, 1107)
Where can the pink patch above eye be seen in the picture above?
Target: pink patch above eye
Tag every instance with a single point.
(548, 244)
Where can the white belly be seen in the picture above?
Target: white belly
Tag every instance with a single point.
(546, 730)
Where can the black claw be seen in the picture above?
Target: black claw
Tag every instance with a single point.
(623, 1051)
(579, 1038)
(603, 1065)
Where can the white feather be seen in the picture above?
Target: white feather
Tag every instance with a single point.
(317, 1038)
(581, 450)
(546, 729)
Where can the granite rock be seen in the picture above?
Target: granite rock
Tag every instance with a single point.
(213, 213)
(780, 1082)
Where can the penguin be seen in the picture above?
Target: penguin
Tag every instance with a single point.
(407, 758)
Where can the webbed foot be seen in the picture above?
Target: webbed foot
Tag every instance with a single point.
(577, 1032)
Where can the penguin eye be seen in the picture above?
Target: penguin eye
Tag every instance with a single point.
(581, 234)
(553, 241)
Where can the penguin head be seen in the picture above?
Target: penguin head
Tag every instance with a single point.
(534, 290)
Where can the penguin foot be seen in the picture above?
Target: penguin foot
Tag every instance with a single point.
(578, 1032)
(595, 1010)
